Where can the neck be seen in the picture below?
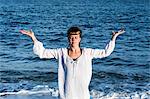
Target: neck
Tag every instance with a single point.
(74, 49)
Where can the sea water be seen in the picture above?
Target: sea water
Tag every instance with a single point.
(125, 74)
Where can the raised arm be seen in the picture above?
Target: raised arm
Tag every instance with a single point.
(100, 53)
(116, 34)
(38, 47)
(30, 34)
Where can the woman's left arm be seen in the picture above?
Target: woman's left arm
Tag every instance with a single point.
(116, 34)
(100, 53)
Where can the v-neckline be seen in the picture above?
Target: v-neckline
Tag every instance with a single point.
(71, 57)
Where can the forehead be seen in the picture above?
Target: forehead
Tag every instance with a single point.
(74, 35)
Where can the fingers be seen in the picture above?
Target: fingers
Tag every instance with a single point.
(119, 32)
(26, 32)
(29, 33)
(23, 31)
(113, 32)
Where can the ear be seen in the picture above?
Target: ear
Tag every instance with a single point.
(80, 39)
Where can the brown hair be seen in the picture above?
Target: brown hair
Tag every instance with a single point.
(74, 31)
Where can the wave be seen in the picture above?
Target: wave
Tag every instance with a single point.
(40, 89)
(46, 90)
(120, 95)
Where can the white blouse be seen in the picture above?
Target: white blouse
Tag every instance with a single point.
(73, 76)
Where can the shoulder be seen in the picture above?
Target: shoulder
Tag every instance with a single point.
(87, 50)
(61, 50)
(90, 50)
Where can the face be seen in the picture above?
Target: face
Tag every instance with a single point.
(74, 40)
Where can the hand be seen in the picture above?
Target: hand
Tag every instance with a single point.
(115, 34)
(29, 33)
(118, 33)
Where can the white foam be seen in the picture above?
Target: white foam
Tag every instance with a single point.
(120, 95)
(40, 89)
(45, 90)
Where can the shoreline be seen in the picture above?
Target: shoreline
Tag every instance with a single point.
(27, 97)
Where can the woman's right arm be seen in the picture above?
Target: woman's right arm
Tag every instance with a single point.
(38, 47)
(30, 34)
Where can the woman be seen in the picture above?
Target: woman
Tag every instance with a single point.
(75, 63)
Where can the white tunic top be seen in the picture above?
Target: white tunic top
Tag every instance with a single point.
(73, 76)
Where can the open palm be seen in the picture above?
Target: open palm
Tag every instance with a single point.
(28, 33)
(119, 32)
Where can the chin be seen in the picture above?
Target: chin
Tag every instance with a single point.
(74, 45)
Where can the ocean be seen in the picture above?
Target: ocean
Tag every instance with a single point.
(125, 74)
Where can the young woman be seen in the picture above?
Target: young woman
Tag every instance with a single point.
(75, 63)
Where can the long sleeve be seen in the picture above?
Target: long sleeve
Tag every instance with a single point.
(100, 53)
(61, 75)
(39, 50)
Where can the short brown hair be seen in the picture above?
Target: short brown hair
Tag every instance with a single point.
(74, 31)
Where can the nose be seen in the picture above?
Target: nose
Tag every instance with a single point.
(73, 38)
